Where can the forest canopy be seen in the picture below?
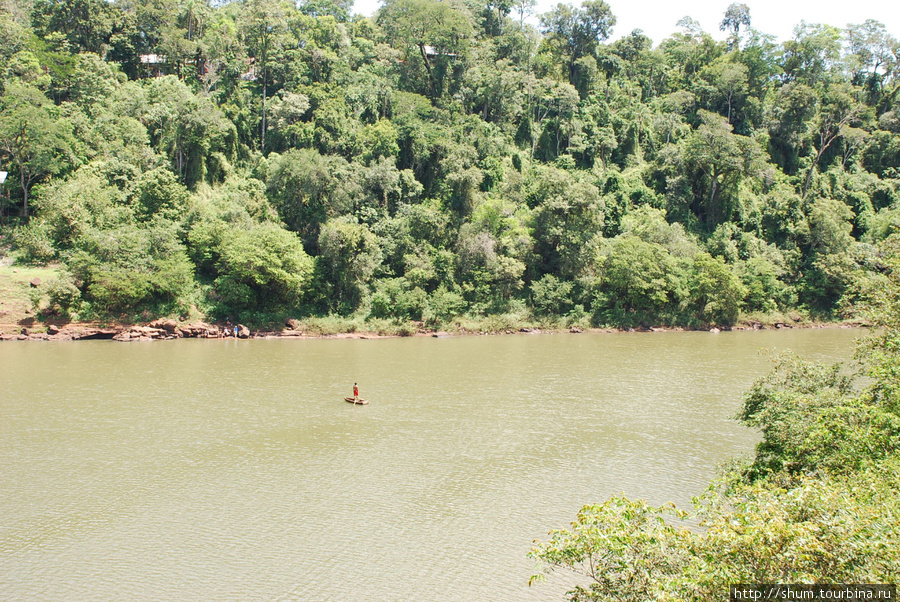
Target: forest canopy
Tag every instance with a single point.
(442, 159)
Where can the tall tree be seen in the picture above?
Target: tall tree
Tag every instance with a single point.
(736, 16)
(265, 27)
(728, 82)
(190, 130)
(339, 9)
(874, 58)
(838, 110)
(523, 8)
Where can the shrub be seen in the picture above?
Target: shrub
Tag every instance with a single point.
(64, 296)
(551, 296)
(396, 298)
(35, 243)
(716, 293)
(442, 306)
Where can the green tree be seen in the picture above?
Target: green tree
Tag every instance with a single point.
(736, 16)
(623, 547)
(721, 160)
(836, 113)
(730, 82)
(287, 111)
(688, 52)
(551, 296)
(812, 53)
(308, 189)
(69, 209)
(765, 286)
(86, 24)
(435, 30)
(790, 120)
(395, 298)
(33, 138)
(196, 136)
(640, 283)
(716, 293)
(830, 262)
(488, 268)
(348, 257)
(873, 59)
(339, 9)
(524, 8)
(158, 192)
(128, 268)
(577, 32)
(261, 269)
(265, 30)
(565, 223)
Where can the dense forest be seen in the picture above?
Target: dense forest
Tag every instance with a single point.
(442, 160)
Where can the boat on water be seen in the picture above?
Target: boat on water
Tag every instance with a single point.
(356, 400)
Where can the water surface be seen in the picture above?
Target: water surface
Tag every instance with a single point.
(225, 469)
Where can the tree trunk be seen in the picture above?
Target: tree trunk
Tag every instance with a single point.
(827, 135)
(263, 133)
(808, 179)
(812, 168)
(713, 193)
(24, 184)
(427, 67)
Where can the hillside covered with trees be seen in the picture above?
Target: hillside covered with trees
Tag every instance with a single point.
(443, 159)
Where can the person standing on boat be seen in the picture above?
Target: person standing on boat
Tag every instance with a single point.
(355, 391)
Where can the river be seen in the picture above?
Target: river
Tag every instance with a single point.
(225, 469)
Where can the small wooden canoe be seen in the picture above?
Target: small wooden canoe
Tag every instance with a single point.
(360, 402)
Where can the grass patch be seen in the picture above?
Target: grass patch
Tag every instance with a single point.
(326, 325)
(335, 325)
(769, 320)
(16, 294)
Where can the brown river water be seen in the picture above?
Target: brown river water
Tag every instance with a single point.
(234, 470)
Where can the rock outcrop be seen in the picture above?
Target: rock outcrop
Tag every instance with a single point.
(170, 326)
(199, 330)
(158, 330)
(144, 333)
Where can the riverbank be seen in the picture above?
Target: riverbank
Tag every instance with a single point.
(24, 316)
(320, 328)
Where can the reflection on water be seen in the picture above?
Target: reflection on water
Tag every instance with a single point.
(234, 469)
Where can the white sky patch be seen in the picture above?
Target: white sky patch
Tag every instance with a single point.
(657, 18)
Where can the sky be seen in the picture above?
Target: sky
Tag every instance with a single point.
(657, 18)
